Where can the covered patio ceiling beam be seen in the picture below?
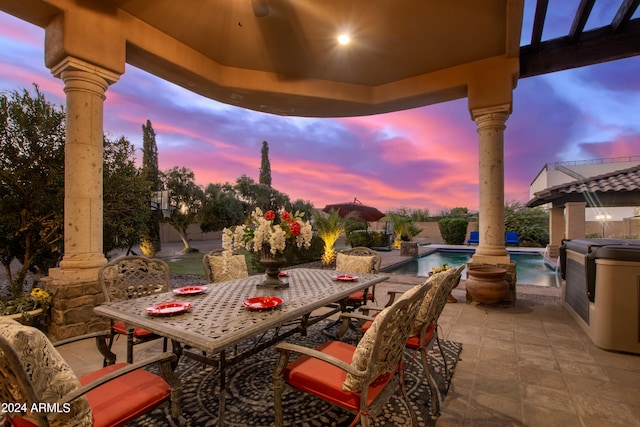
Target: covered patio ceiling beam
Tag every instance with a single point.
(624, 14)
(596, 46)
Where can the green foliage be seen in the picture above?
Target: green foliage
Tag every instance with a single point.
(532, 224)
(453, 230)
(295, 255)
(371, 239)
(329, 228)
(403, 225)
(220, 208)
(420, 215)
(265, 165)
(150, 232)
(32, 133)
(304, 207)
(186, 199)
(255, 195)
(457, 212)
(126, 196)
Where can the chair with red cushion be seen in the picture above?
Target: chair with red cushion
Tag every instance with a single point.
(424, 332)
(45, 391)
(359, 260)
(216, 270)
(358, 379)
(131, 277)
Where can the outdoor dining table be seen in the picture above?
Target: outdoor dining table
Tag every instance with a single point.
(218, 320)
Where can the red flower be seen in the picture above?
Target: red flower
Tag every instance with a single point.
(294, 227)
(285, 216)
(269, 215)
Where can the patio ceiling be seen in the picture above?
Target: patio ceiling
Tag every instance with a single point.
(282, 56)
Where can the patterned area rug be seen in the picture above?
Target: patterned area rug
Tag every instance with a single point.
(250, 393)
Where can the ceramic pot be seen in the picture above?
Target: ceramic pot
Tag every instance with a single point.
(272, 263)
(487, 285)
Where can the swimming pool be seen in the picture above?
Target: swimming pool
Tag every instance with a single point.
(530, 267)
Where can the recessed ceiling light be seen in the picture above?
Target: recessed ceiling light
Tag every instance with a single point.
(344, 39)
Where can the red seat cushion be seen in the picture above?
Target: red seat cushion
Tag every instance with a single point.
(325, 381)
(125, 398)
(359, 296)
(414, 341)
(21, 422)
(137, 332)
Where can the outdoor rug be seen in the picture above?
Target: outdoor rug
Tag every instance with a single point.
(250, 392)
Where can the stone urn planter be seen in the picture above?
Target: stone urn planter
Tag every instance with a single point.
(486, 284)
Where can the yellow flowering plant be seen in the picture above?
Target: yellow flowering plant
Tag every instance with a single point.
(440, 269)
(37, 298)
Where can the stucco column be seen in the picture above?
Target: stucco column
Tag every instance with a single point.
(491, 125)
(85, 87)
(556, 231)
(575, 227)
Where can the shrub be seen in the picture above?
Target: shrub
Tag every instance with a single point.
(453, 230)
(369, 239)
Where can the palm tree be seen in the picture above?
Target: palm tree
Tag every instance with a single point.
(329, 227)
(402, 226)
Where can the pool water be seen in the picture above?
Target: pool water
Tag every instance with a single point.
(530, 267)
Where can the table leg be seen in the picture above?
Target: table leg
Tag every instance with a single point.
(223, 387)
(177, 350)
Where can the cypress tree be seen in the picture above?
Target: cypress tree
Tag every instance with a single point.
(150, 237)
(265, 165)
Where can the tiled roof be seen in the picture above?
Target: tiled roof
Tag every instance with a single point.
(606, 187)
(622, 180)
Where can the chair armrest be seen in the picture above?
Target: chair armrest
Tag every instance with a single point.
(101, 338)
(392, 297)
(82, 337)
(365, 309)
(285, 348)
(164, 359)
(363, 317)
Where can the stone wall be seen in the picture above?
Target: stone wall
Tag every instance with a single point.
(72, 309)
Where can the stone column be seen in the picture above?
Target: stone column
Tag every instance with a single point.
(556, 231)
(74, 284)
(575, 226)
(491, 125)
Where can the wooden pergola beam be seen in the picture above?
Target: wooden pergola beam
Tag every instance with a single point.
(596, 46)
(580, 19)
(624, 14)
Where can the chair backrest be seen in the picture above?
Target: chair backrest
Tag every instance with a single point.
(215, 269)
(382, 346)
(512, 237)
(440, 286)
(442, 293)
(33, 372)
(131, 277)
(474, 236)
(356, 260)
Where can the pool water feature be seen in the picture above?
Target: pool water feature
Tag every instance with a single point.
(530, 267)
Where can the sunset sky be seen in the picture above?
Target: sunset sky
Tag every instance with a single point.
(421, 158)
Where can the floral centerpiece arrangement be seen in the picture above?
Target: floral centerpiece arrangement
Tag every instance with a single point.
(268, 234)
(37, 299)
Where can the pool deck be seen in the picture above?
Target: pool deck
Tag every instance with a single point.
(527, 365)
